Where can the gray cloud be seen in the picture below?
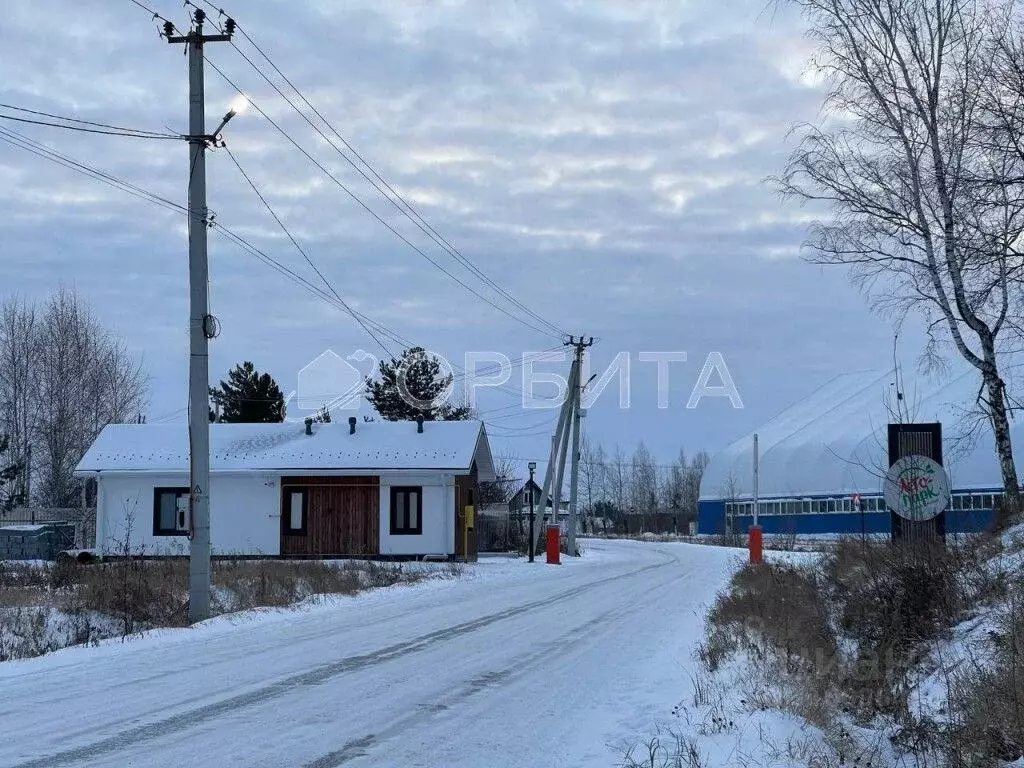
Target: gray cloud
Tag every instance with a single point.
(603, 161)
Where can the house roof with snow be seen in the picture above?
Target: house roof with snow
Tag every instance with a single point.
(375, 445)
(834, 441)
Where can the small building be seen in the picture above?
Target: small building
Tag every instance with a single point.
(381, 488)
(519, 504)
(823, 460)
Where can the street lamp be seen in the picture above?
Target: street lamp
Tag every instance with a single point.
(533, 467)
(237, 106)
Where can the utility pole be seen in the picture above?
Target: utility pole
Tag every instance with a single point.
(563, 425)
(202, 325)
(577, 413)
(562, 450)
(533, 467)
(756, 478)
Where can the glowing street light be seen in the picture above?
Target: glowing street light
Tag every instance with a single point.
(237, 106)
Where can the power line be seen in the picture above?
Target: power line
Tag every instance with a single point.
(366, 207)
(104, 128)
(82, 129)
(358, 317)
(508, 416)
(305, 255)
(607, 463)
(23, 142)
(393, 196)
(156, 16)
(40, 150)
(542, 423)
(147, 9)
(276, 265)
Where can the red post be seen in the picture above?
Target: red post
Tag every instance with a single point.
(554, 532)
(756, 544)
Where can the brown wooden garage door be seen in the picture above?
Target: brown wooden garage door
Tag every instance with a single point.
(342, 516)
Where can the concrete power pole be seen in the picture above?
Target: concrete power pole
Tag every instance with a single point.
(576, 416)
(561, 450)
(202, 325)
(560, 435)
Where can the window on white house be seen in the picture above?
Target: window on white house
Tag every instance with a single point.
(296, 508)
(170, 511)
(406, 510)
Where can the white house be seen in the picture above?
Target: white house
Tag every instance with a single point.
(364, 488)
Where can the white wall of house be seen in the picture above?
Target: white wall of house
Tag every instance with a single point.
(245, 515)
(438, 516)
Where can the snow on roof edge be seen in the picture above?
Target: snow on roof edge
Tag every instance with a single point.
(286, 447)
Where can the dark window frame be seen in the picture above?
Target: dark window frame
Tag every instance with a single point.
(157, 493)
(286, 510)
(395, 530)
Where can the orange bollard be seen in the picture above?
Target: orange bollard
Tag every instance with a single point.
(756, 544)
(554, 555)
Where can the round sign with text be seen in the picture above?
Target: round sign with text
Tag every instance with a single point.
(916, 488)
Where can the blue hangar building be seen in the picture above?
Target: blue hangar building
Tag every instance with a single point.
(823, 460)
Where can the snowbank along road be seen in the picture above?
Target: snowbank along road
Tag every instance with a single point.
(516, 665)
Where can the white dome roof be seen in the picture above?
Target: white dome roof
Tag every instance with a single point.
(834, 441)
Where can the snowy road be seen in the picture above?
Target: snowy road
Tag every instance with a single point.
(519, 666)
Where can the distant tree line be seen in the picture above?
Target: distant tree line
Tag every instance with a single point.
(63, 377)
(615, 485)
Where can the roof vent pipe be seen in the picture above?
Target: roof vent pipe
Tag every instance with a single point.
(419, 424)
(309, 426)
(351, 425)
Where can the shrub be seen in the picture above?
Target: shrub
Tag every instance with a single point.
(986, 702)
(67, 603)
(140, 593)
(844, 633)
(890, 601)
(780, 605)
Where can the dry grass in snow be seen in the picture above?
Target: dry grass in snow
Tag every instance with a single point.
(870, 655)
(47, 606)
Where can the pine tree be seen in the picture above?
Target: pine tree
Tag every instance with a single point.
(247, 397)
(412, 387)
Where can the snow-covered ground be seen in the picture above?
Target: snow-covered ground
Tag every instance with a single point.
(514, 665)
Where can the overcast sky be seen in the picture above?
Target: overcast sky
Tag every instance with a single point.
(605, 162)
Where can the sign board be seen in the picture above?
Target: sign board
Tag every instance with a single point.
(916, 439)
(916, 488)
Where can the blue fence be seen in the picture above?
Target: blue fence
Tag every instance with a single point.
(711, 520)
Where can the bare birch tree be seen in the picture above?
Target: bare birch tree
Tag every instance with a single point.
(643, 481)
(906, 160)
(63, 379)
(593, 473)
(691, 482)
(18, 401)
(618, 476)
